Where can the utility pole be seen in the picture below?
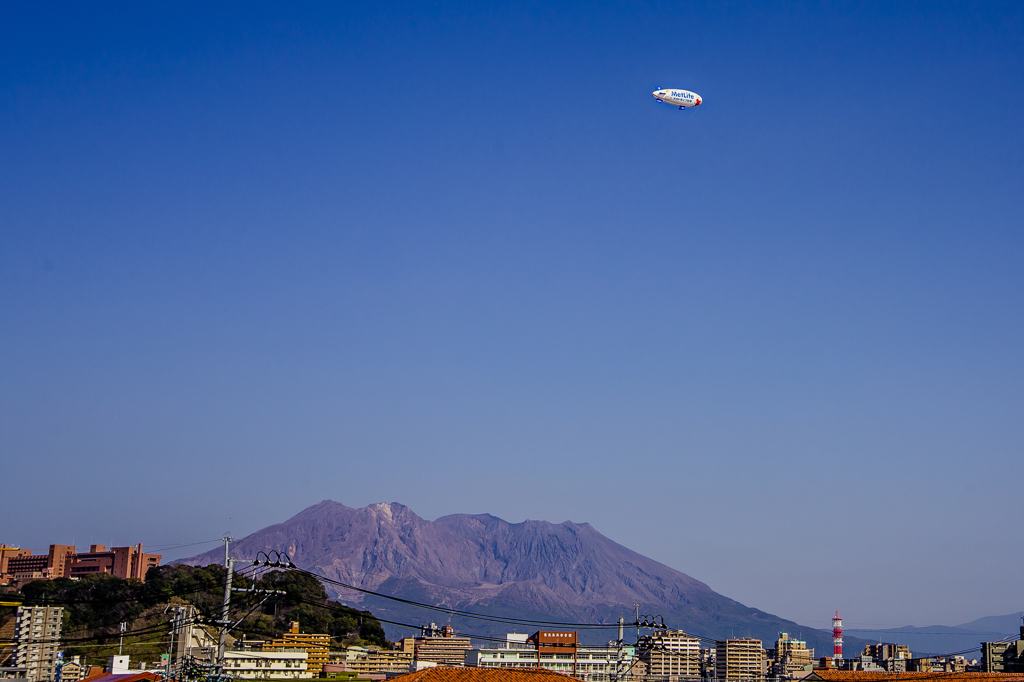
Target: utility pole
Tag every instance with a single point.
(120, 642)
(225, 619)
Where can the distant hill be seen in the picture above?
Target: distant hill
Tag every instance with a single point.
(943, 639)
(535, 569)
(95, 605)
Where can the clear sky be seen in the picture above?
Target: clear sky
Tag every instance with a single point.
(456, 256)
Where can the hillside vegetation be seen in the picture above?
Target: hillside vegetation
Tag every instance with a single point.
(95, 606)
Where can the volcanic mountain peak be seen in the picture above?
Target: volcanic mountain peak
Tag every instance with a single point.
(533, 569)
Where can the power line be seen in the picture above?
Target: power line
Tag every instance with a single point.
(458, 612)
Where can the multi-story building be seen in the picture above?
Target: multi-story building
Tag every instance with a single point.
(257, 665)
(1003, 657)
(20, 566)
(791, 656)
(6, 554)
(939, 664)
(884, 652)
(316, 646)
(71, 669)
(591, 663)
(372, 660)
(674, 656)
(740, 660)
(441, 646)
(123, 562)
(992, 656)
(37, 641)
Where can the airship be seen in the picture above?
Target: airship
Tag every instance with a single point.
(680, 98)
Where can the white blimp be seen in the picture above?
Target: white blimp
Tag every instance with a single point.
(680, 98)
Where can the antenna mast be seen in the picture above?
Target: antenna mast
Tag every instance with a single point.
(837, 638)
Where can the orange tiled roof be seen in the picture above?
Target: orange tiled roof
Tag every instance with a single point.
(459, 674)
(829, 675)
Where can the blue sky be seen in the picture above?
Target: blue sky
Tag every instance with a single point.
(456, 256)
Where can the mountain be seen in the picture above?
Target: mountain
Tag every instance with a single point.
(537, 570)
(943, 639)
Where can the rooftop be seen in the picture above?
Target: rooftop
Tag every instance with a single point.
(453, 674)
(827, 675)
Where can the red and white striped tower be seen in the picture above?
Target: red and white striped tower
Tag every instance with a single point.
(837, 638)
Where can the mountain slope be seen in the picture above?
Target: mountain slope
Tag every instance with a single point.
(941, 639)
(535, 569)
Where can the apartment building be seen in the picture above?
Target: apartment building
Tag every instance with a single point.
(1003, 657)
(591, 663)
(258, 665)
(791, 656)
(440, 646)
(740, 660)
(37, 641)
(71, 669)
(372, 660)
(673, 656)
(316, 646)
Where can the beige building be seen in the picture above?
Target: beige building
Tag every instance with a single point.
(590, 663)
(372, 660)
(37, 641)
(674, 656)
(740, 660)
(440, 646)
(257, 665)
(72, 670)
(316, 646)
(791, 656)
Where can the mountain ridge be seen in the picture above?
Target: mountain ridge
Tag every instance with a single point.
(533, 569)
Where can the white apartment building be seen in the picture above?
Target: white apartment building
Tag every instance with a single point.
(258, 665)
(37, 641)
(591, 663)
(675, 656)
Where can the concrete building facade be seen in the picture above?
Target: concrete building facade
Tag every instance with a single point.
(591, 663)
(791, 657)
(20, 566)
(123, 562)
(440, 646)
(371, 660)
(675, 656)
(740, 660)
(257, 665)
(316, 646)
(37, 641)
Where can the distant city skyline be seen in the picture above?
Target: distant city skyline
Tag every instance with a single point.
(253, 257)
